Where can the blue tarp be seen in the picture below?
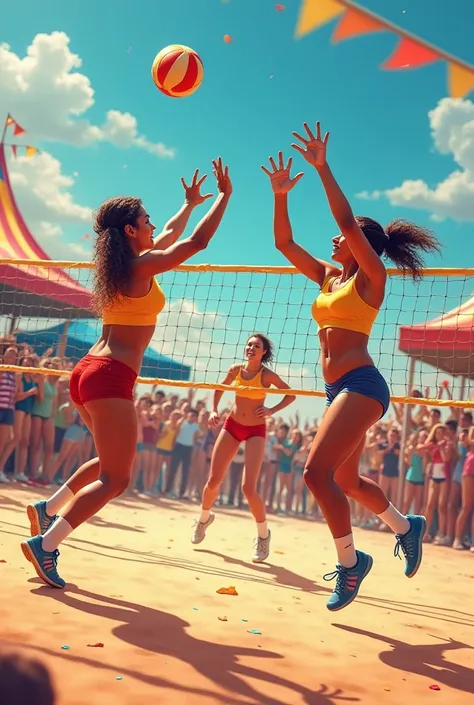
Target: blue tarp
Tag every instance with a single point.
(83, 334)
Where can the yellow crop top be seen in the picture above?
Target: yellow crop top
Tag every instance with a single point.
(343, 308)
(254, 382)
(141, 311)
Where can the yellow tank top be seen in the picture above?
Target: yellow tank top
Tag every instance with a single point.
(254, 382)
(166, 442)
(343, 308)
(141, 311)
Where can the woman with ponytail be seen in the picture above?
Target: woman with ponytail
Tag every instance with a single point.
(128, 298)
(352, 292)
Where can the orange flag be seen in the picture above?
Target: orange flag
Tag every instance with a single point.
(461, 80)
(354, 23)
(410, 54)
(31, 151)
(9, 121)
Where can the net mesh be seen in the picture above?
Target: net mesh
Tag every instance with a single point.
(211, 311)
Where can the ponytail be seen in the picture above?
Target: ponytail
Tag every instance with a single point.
(405, 245)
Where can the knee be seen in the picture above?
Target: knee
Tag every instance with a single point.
(315, 479)
(249, 490)
(214, 482)
(116, 484)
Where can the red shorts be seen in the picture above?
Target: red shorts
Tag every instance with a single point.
(97, 377)
(241, 432)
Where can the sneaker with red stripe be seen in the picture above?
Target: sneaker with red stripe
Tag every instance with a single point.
(348, 581)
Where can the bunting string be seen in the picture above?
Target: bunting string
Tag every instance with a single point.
(18, 131)
(411, 51)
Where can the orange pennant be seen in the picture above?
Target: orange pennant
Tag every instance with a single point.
(18, 130)
(9, 121)
(461, 80)
(14, 150)
(353, 24)
(409, 55)
(31, 151)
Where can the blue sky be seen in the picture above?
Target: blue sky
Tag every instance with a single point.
(380, 131)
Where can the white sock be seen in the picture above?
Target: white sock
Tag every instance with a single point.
(58, 500)
(59, 531)
(205, 514)
(346, 553)
(262, 529)
(396, 521)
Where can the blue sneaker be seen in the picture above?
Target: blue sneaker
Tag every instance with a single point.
(40, 521)
(44, 562)
(348, 581)
(411, 545)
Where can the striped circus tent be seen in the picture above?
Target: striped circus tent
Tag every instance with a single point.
(446, 342)
(30, 290)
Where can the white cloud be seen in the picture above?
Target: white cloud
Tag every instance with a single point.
(42, 193)
(452, 129)
(49, 97)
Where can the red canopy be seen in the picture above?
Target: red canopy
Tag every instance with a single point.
(446, 342)
(28, 290)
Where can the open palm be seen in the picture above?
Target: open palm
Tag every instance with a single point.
(314, 147)
(280, 178)
(193, 190)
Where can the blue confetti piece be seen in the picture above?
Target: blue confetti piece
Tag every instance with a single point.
(196, 609)
(65, 647)
(119, 678)
(244, 620)
(254, 631)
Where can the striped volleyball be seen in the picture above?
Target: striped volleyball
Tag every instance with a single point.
(177, 71)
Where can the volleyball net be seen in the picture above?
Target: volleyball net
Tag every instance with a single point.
(423, 338)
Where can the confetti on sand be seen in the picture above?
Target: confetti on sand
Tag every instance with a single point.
(227, 591)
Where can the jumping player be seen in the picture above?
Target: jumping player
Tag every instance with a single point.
(129, 299)
(357, 394)
(245, 423)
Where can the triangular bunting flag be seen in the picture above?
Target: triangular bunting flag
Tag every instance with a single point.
(9, 121)
(353, 24)
(14, 150)
(409, 54)
(461, 80)
(315, 13)
(31, 151)
(18, 130)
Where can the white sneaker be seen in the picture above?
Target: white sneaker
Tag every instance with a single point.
(200, 528)
(459, 546)
(261, 549)
(21, 477)
(4, 479)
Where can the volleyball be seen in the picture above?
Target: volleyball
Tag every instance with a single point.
(177, 71)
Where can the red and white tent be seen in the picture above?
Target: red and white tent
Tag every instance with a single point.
(32, 290)
(446, 342)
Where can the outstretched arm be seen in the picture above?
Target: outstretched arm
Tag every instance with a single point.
(176, 225)
(156, 261)
(315, 269)
(314, 151)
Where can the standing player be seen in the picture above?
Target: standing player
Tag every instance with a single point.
(129, 299)
(357, 394)
(245, 423)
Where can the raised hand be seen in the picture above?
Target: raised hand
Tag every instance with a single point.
(314, 148)
(221, 173)
(192, 192)
(280, 178)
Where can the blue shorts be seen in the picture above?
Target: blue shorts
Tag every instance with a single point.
(7, 417)
(365, 380)
(75, 434)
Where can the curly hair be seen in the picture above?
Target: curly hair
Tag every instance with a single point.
(113, 254)
(402, 242)
(267, 357)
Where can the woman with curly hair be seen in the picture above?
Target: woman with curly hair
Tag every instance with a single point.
(352, 292)
(129, 299)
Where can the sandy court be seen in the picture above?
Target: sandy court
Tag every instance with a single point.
(138, 585)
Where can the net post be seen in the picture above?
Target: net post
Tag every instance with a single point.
(404, 435)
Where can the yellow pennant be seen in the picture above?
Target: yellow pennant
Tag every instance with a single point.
(315, 13)
(31, 151)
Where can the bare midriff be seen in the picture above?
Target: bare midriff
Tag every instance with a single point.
(342, 351)
(243, 410)
(126, 344)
